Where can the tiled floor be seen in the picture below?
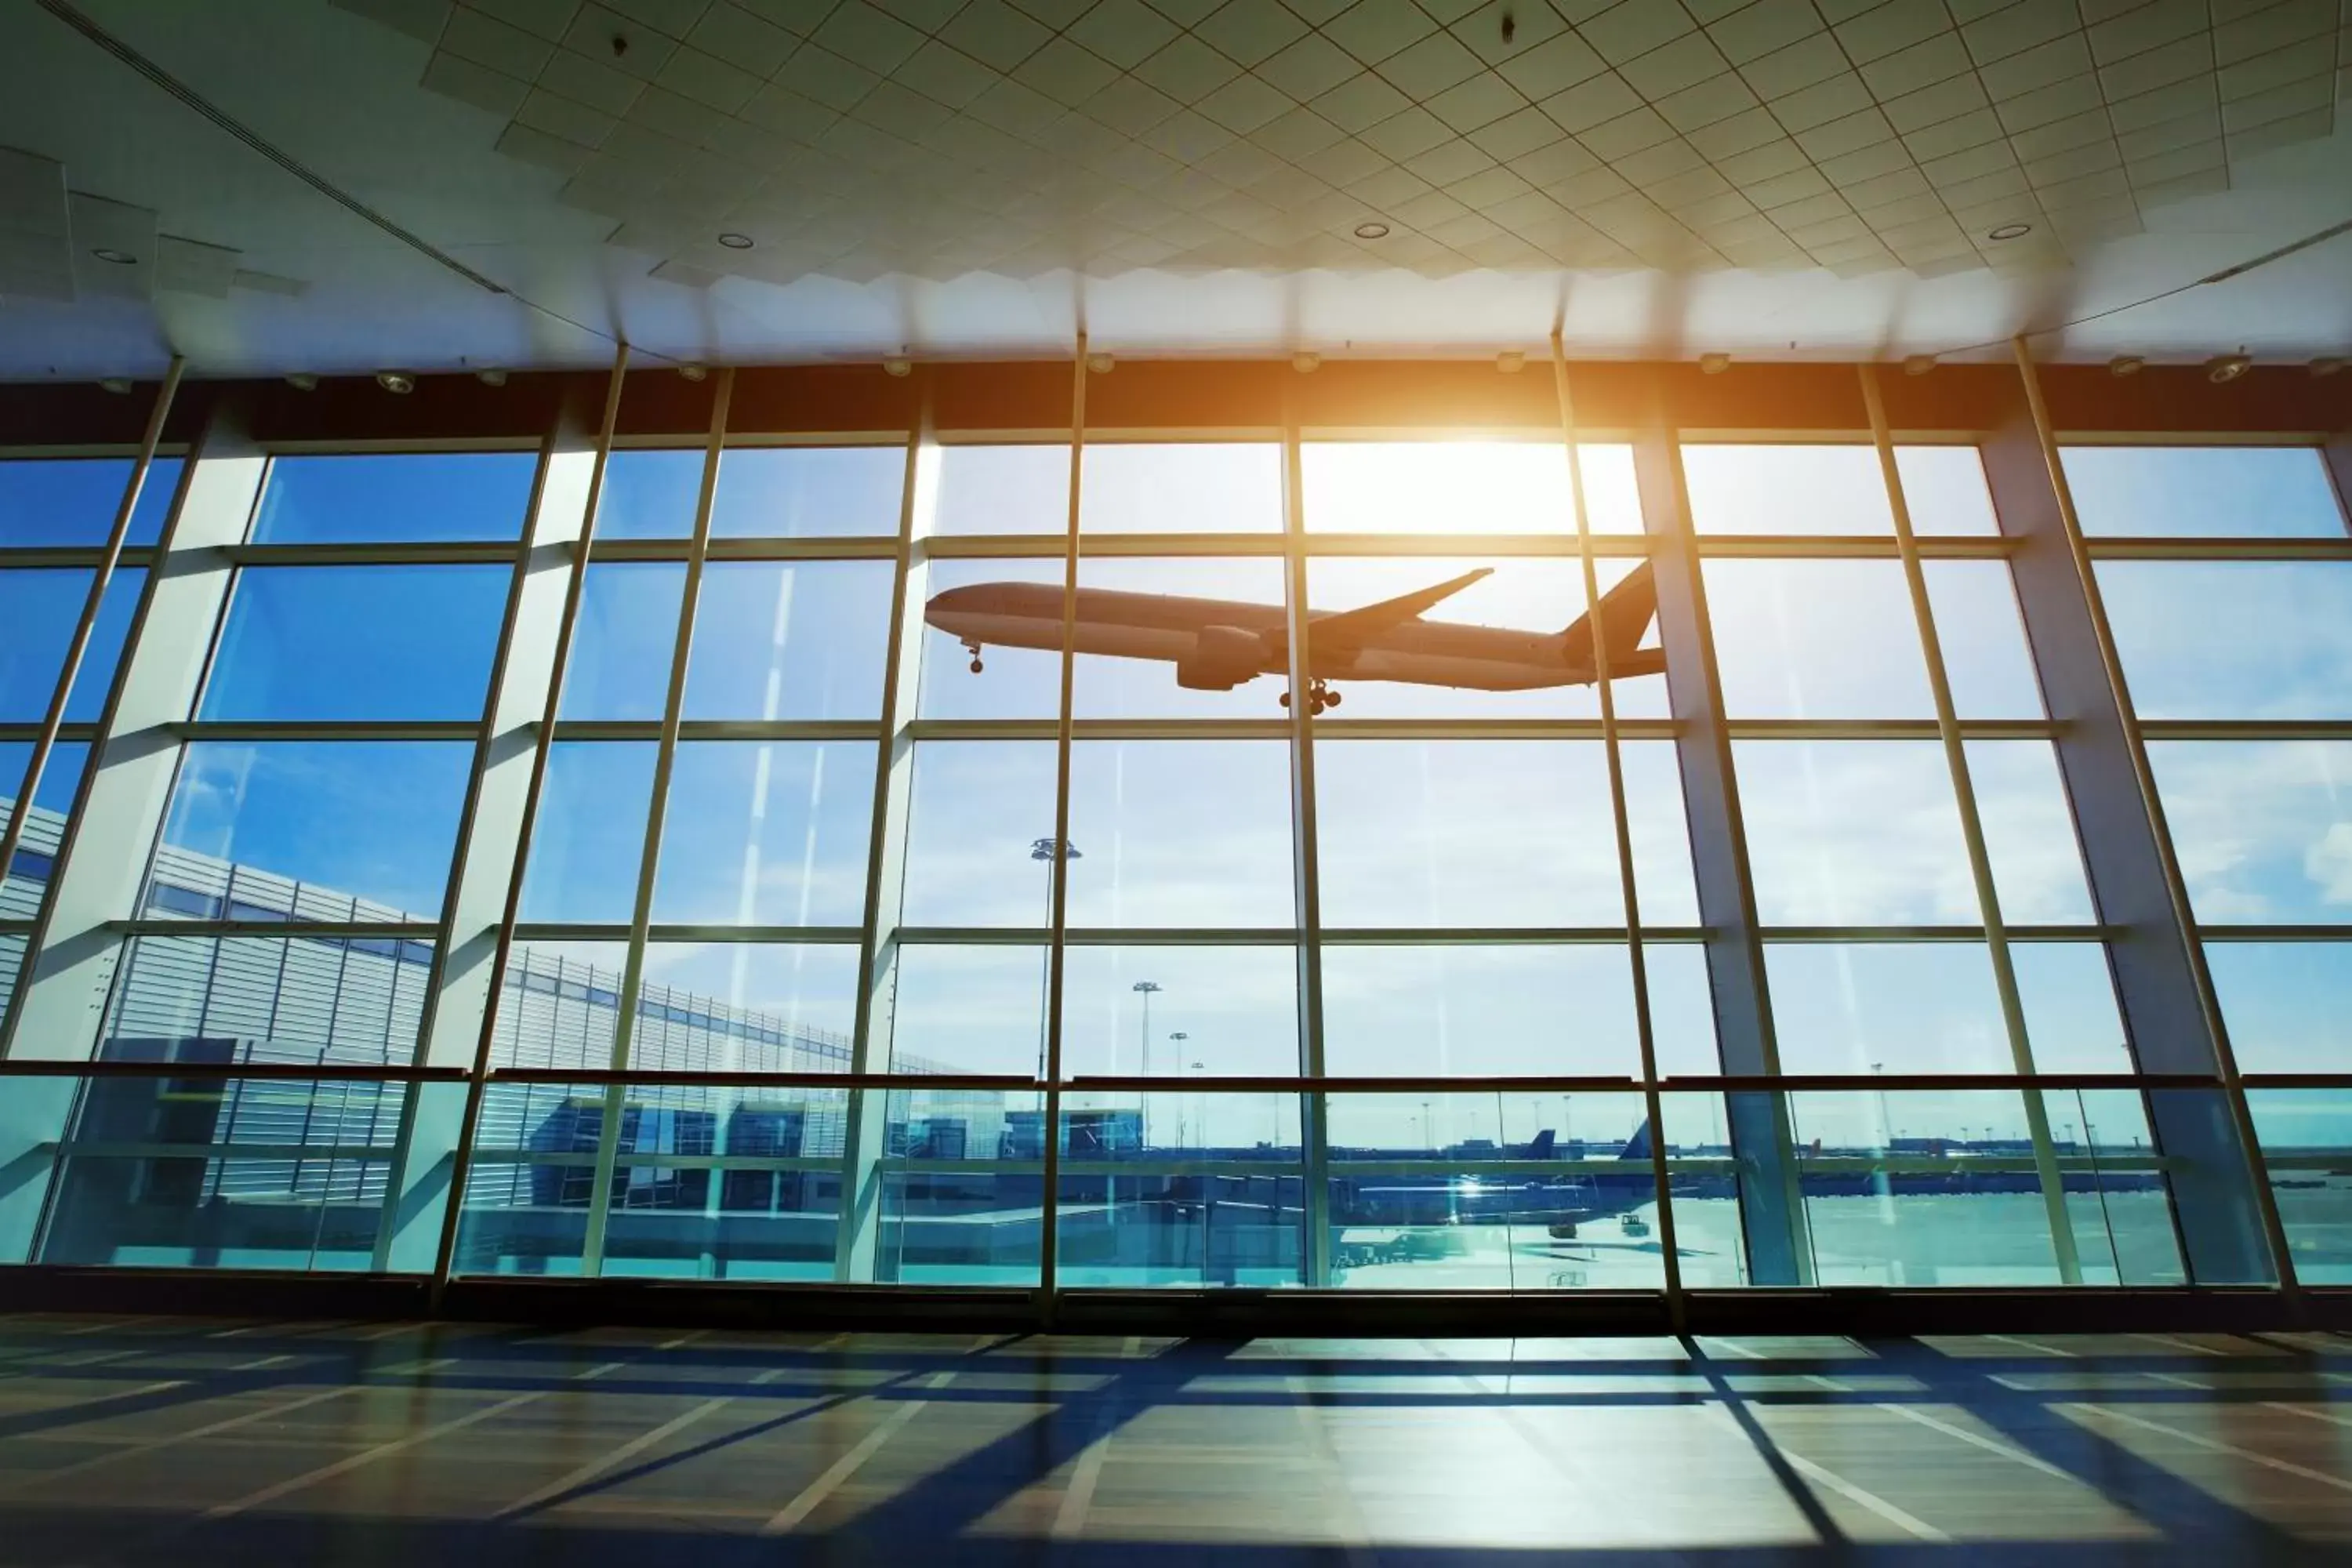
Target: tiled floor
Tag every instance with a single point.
(266, 1444)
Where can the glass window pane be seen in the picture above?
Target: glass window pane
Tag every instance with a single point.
(389, 498)
(979, 826)
(589, 840)
(2233, 639)
(336, 831)
(94, 683)
(1854, 833)
(790, 641)
(267, 999)
(1945, 489)
(2306, 1138)
(1004, 490)
(1180, 834)
(623, 641)
(1465, 486)
(771, 1210)
(64, 503)
(559, 1004)
(1682, 1009)
(650, 493)
(41, 609)
(766, 833)
(1182, 488)
(962, 1226)
(1467, 833)
(2273, 492)
(807, 492)
(1816, 639)
(2288, 1005)
(1175, 638)
(2263, 830)
(969, 1010)
(1528, 1010)
(1157, 1011)
(357, 643)
(2068, 994)
(1664, 881)
(35, 866)
(1705, 1184)
(965, 615)
(746, 1006)
(2037, 865)
(1499, 646)
(1983, 640)
(1786, 490)
(1899, 1008)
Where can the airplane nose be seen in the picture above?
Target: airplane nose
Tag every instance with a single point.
(950, 600)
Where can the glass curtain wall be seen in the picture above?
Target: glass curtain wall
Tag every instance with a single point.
(1107, 857)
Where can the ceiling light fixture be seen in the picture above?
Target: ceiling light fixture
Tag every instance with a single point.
(491, 375)
(736, 241)
(2127, 364)
(1371, 231)
(2223, 368)
(897, 365)
(397, 382)
(1510, 361)
(1307, 361)
(2011, 231)
(1918, 364)
(1101, 363)
(115, 257)
(302, 381)
(118, 385)
(2326, 364)
(1714, 364)
(691, 371)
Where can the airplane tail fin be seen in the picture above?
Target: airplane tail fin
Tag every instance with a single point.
(1638, 1146)
(1540, 1146)
(1623, 618)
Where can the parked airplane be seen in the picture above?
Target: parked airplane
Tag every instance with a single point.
(1217, 645)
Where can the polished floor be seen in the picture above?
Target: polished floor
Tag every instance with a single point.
(147, 1440)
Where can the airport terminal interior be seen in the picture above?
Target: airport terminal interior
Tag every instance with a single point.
(1413, 779)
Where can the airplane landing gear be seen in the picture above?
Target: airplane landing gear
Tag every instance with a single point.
(973, 649)
(1319, 696)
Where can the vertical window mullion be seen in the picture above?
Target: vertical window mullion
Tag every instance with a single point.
(1057, 911)
(1315, 1142)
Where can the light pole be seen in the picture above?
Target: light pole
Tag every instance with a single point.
(1177, 1038)
(1145, 989)
(1049, 850)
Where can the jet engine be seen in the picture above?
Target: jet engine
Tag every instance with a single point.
(1222, 659)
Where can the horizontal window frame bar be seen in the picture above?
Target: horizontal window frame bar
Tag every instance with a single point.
(2300, 933)
(2306, 547)
(363, 553)
(304, 1072)
(578, 1160)
(290, 930)
(2251, 730)
(72, 557)
(365, 1154)
(644, 729)
(190, 731)
(845, 547)
(1926, 728)
(25, 734)
(636, 1077)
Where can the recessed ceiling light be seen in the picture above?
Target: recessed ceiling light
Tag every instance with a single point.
(1307, 361)
(2126, 364)
(736, 241)
(1101, 363)
(2011, 231)
(1510, 361)
(2227, 367)
(2326, 364)
(302, 381)
(491, 375)
(118, 385)
(116, 257)
(1371, 231)
(897, 365)
(1918, 364)
(1714, 364)
(691, 371)
(398, 382)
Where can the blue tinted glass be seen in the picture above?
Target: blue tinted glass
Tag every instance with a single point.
(969, 1010)
(358, 643)
(766, 833)
(2233, 639)
(1179, 833)
(1479, 1010)
(1011, 682)
(2288, 1005)
(62, 502)
(788, 640)
(1786, 490)
(1945, 489)
(2037, 867)
(2068, 996)
(590, 836)
(623, 641)
(388, 497)
(2263, 829)
(1003, 490)
(1983, 640)
(1896, 1008)
(371, 821)
(1816, 639)
(1232, 1009)
(35, 866)
(2306, 1138)
(979, 811)
(2209, 491)
(95, 681)
(1854, 833)
(808, 492)
(40, 610)
(650, 494)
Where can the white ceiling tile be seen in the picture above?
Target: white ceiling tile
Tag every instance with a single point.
(1244, 104)
(1250, 30)
(1821, 103)
(1975, 163)
(756, 147)
(994, 33)
(2147, 27)
(1402, 136)
(1783, 191)
(561, 117)
(2263, 72)
(780, 108)
(1428, 67)
(1471, 228)
(517, 140)
(1562, 160)
(1588, 103)
(2190, 158)
(2309, 96)
(1867, 164)
(856, 31)
(1634, 28)
(1427, 210)
(1957, 134)
(1385, 187)
(2060, 135)
(674, 17)
(1533, 215)
(1653, 169)
(1763, 161)
(2307, 125)
(1015, 110)
(2071, 169)
(1449, 162)
(484, 39)
(1749, 128)
(598, 30)
(1758, 29)
(1516, 135)
(2017, 27)
(1932, 105)
(707, 80)
(2188, 59)
(1691, 189)
(2170, 135)
(1344, 162)
(1905, 190)
(1372, 30)
(420, 20)
(1840, 137)
(477, 85)
(1479, 102)
(1799, 66)
(1296, 134)
(1240, 162)
(1697, 107)
(821, 74)
(742, 40)
(945, 75)
(1896, 25)
(2059, 101)
(2295, 21)
(1124, 32)
(1056, 14)
(571, 75)
(924, 15)
(1359, 103)
(1186, 12)
(1626, 134)
(1186, 136)
(1187, 70)
(1315, 13)
(1311, 66)
(1580, 193)
(1939, 58)
(1554, 66)
(1132, 106)
(98, 225)
(1683, 63)
(2038, 66)
(1066, 73)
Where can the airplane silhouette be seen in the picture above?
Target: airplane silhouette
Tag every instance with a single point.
(1217, 645)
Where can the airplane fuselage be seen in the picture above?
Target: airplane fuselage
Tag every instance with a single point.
(1224, 642)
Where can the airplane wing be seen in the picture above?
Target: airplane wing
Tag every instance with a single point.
(1353, 628)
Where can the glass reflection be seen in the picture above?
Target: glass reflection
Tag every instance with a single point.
(1982, 637)
(650, 493)
(2028, 833)
(68, 503)
(978, 1010)
(1816, 639)
(357, 643)
(2273, 492)
(766, 833)
(808, 492)
(1854, 833)
(1535, 1011)
(623, 641)
(589, 840)
(1179, 833)
(1166, 1011)
(979, 834)
(2306, 1142)
(2233, 639)
(2263, 829)
(788, 640)
(395, 497)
